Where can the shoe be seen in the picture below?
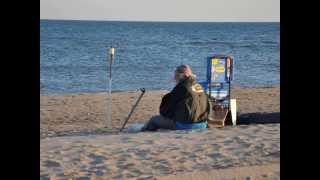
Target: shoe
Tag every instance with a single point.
(135, 128)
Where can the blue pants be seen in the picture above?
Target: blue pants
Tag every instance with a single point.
(159, 122)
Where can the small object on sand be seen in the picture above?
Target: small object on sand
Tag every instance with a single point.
(233, 107)
(135, 127)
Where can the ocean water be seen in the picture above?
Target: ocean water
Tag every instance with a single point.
(74, 59)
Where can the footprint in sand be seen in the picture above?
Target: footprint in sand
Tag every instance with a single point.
(135, 172)
(142, 153)
(228, 141)
(161, 169)
(123, 164)
(240, 142)
(49, 164)
(45, 177)
(145, 177)
(125, 139)
(215, 156)
(83, 178)
(97, 159)
(148, 142)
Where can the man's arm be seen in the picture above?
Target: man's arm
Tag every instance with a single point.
(171, 99)
(164, 105)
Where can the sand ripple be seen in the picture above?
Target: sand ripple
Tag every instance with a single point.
(160, 154)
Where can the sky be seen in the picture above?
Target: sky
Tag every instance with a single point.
(162, 10)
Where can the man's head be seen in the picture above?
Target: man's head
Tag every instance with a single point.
(183, 71)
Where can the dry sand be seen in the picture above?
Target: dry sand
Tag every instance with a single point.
(73, 143)
(88, 111)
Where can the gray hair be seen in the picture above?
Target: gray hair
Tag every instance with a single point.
(184, 71)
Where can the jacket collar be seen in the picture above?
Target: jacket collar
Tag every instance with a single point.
(190, 78)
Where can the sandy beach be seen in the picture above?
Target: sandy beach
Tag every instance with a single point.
(74, 143)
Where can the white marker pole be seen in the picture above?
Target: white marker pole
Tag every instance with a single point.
(111, 53)
(233, 104)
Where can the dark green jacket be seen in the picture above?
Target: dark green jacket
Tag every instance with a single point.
(186, 103)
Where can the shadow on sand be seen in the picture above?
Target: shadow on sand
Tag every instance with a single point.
(259, 118)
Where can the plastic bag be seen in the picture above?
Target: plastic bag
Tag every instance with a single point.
(135, 127)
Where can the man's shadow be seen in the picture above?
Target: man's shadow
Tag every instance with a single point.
(258, 118)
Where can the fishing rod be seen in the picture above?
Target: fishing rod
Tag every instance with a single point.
(143, 90)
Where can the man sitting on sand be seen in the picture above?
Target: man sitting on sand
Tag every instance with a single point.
(186, 107)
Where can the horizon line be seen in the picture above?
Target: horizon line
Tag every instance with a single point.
(191, 21)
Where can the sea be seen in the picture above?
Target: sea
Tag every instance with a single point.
(74, 54)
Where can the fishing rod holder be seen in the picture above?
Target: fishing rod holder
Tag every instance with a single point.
(111, 54)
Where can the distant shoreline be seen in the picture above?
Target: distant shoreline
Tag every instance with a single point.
(144, 21)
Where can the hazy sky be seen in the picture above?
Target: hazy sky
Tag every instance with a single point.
(162, 10)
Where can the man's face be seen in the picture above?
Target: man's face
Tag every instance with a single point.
(179, 76)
